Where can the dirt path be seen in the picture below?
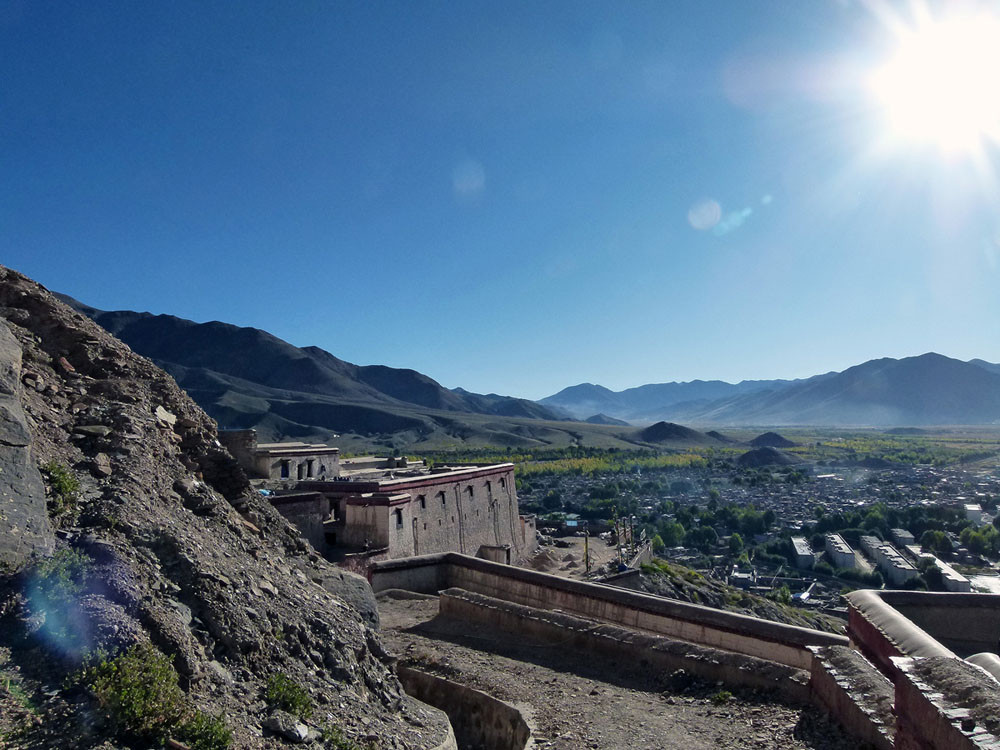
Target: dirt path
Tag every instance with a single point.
(578, 701)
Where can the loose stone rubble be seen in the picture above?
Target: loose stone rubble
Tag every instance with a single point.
(184, 553)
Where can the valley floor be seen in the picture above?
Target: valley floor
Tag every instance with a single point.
(575, 700)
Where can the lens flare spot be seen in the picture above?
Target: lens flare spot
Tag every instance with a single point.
(704, 214)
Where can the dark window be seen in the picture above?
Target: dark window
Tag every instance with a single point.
(309, 468)
(399, 518)
(284, 470)
(443, 501)
(423, 502)
(503, 483)
(299, 471)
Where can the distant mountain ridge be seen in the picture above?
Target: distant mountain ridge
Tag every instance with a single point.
(929, 389)
(644, 402)
(246, 377)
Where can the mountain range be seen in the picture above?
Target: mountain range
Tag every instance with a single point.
(929, 389)
(245, 377)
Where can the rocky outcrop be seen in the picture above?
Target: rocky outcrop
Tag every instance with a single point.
(25, 530)
(179, 550)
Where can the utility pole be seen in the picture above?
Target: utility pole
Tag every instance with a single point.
(618, 535)
(586, 547)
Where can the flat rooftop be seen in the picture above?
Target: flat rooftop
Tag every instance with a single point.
(277, 449)
(837, 542)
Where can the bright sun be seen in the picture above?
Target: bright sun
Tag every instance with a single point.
(942, 85)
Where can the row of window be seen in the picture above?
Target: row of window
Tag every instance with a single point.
(304, 470)
(422, 499)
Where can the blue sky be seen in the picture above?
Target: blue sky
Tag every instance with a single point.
(508, 197)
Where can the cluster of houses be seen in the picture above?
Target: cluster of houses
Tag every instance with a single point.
(896, 563)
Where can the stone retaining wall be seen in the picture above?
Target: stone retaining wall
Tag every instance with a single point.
(478, 719)
(643, 650)
(854, 692)
(785, 644)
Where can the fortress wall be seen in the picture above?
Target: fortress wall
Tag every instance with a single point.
(471, 513)
(306, 511)
(478, 719)
(438, 513)
(644, 650)
(855, 693)
(941, 701)
(424, 574)
(933, 715)
(785, 644)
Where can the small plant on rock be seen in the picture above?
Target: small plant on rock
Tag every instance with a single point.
(140, 692)
(284, 693)
(61, 577)
(333, 738)
(63, 488)
(204, 732)
(721, 698)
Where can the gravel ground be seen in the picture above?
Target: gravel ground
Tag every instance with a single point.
(575, 700)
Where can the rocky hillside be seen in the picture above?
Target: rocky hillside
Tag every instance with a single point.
(677, 582)
(131, 542)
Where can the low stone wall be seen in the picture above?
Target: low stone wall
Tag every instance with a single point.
(945, 703)
(643, 650)
(628, 579)
(855, 693)
(644, 555)
(941, 701)
(785, 644)
(478, 719)
(425, 574)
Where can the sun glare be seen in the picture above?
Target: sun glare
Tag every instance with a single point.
(942, 85)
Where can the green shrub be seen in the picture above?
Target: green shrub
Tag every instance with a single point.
(204, 732)
(62, 576)
(782, 594)
(140, 692)
(335, 739)
(721, 697)
(284, 693)
(63, 486)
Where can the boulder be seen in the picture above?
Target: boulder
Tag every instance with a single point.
(25, 530)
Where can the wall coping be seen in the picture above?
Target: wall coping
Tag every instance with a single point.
(902, 633)
(423, 480)
(792, 635)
